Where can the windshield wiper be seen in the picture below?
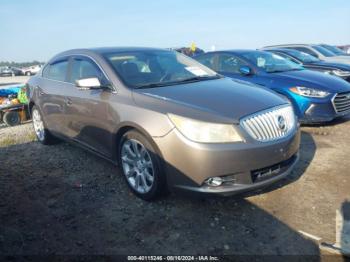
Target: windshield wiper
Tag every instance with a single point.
(286, 70)
(199, 78)
(153, 85)
(192, 79)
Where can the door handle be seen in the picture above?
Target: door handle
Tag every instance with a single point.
(68, 102)
(41, 92)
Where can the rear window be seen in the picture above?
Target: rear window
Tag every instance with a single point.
(56, 71)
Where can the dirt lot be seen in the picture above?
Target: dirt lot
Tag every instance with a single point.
(60, 199)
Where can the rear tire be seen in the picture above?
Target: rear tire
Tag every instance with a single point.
(12, 118)
(42, 133)
(141, 166)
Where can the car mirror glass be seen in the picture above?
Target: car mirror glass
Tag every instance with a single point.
(245, 70)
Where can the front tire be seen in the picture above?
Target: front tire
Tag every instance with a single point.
(140, 165)
(42, 133)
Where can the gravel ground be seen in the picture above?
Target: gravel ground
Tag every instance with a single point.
(61, 199)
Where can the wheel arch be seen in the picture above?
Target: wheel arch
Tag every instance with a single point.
(127, 126)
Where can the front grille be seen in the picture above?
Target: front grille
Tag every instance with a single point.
(271, 124)
(342, 102)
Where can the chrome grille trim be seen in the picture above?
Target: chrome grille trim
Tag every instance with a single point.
(341, 102)
(264, 126)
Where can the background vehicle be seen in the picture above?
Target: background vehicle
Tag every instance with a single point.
(313, 63)
(166, 119)
(316, 97)
(6, 71)
(316, 51)
(345, 48)
(335, 50)
(31, 70)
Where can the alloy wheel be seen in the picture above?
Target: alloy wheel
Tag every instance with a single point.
(137, 166)
(38, 125)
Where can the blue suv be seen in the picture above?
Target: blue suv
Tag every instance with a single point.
(316, 97)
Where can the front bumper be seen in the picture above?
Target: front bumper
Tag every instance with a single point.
(188, 164)
(311, 110)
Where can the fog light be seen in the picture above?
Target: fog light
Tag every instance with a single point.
(214, 181)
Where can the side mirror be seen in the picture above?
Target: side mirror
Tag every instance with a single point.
(245, 70)
(88, 83)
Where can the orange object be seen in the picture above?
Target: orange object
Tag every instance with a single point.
(15, 101)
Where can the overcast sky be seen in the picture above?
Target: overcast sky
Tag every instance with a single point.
(38, 29)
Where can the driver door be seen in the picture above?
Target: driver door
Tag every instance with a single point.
(88, 112)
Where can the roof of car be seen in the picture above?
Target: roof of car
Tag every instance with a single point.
(279, 49)
(102, 50)
(282, 45)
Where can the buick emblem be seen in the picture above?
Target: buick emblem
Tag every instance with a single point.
(281, 123)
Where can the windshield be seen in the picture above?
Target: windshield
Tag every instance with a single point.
(323, 51)
(334, 49)
(271, 63)
(151, 68)
(303, 57)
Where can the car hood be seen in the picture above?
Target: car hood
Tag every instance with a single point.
(334, 65)
(212, 100)
(338, 59)
(313, 79)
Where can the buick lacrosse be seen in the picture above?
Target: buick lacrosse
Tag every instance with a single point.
(166, 120)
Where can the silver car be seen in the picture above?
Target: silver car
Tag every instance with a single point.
(317, 51)
(166, 120)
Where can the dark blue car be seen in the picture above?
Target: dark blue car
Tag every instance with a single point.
(313, 63)
(316, 97)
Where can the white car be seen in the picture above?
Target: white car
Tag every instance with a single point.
(31, 70)
(316, 51)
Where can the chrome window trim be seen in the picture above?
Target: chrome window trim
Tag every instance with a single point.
(72, 56)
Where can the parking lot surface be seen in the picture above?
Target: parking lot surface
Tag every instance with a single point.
(61, 199)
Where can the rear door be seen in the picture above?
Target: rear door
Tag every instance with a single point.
(88, 112)
(51, 91)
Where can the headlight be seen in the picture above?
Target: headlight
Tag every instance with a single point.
(205, 132)
(341, 73)
(308, 92)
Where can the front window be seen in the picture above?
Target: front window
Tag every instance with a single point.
(303, 57)
(323, 51)
(83, 68)
(152, 68)
(230, 64)
(270, 63)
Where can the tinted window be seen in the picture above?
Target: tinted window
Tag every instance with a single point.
(270, 62)
(140, 69)
(207, 60)
(57, 71)
(46, 71)
(323, 51)
(304, 57)
(84, 68)
(286, 57)
(230, 64)
(334, 49)
(305, 50)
